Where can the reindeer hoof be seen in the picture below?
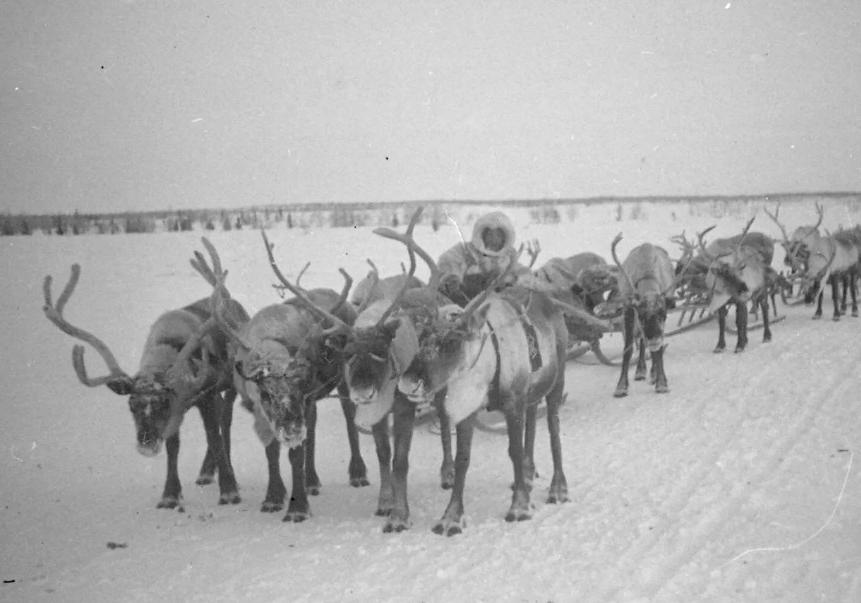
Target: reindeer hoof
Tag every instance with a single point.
(204, 479)
(662, 388)
(739, 349)
(170, 502)
(271, 506)
(558, 496)
(719, 350)
(449, 528)
(518, 515)
(296, 516)
(397, 523)
(359, 482)
(383, 511)
(836, 318)
(639, 376)
(229, 498)
(620, 392)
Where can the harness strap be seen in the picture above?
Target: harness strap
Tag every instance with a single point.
(493, 392)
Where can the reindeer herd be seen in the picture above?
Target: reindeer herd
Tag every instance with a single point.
(398, 343)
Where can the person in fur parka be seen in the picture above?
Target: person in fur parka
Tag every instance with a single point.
(467, 268)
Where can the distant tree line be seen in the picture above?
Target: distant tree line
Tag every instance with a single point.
(354, 215)
(318, 216)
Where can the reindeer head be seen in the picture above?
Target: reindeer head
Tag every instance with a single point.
(277, 381)
(440, 336)
(170, 379)
(648, 281)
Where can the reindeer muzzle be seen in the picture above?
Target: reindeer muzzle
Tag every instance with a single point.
(365, 396)
(150, 449)
(655, 344)
(413, 389)
(292, 434)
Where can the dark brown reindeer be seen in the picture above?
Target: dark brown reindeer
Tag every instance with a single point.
(381, 344)
(504, 351)
(644, 289)
(184, 363)
(739, 274)
(284, 363)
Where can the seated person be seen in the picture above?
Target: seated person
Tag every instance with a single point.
(470, 267)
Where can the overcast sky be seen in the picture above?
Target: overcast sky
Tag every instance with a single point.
(114, 105)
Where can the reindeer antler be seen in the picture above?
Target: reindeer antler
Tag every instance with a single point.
(320, 313)
(408, 240)
(55, 315)
(624, 272)
(774, 218)
(533, 248)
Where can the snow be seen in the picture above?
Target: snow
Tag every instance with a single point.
(742, 483)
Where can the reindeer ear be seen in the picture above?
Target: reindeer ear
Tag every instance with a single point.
(390, 327)
(122, 386)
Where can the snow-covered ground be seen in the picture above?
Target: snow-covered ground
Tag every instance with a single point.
(742, 483)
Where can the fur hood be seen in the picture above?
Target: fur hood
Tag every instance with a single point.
(495, 219)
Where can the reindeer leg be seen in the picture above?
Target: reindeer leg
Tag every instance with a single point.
(172, 493)
(741, 326)
(386, 500)
(275, 490)
(210, 410)
(206, 475)
(519, 509)
(818, 313)
(404, 414)
(658, 367)
(640, 371)
(529, 473)
(446, 471)
(312, 480)
(721, 344)
(852, 280)
(452, 522)
(228, 397)
(357, 471)
(835, 280)
(622, 385)
(298, 509)
(558, 484)
(844, 280)
(208, 467)
(766, 327)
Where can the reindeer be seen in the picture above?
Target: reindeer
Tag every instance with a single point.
(647, 282)
(284, 363)
(180, 343)
(504, 351)
(739, 275)
(818, 259)
(380, 345)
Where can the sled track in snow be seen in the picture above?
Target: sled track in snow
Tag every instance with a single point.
(637, 567)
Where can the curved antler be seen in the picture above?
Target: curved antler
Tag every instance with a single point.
(320, 313)
(820, 211)
(55, 315)
(702, 247)
(408, 240)
(624, 272)
(773, 217)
